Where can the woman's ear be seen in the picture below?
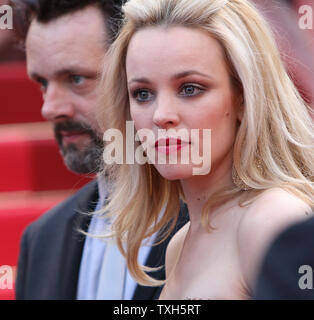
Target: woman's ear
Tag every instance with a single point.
(239, 100)
(240, 109)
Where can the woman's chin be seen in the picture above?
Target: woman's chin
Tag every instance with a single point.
(174, 172)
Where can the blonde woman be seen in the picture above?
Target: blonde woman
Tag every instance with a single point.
(206, 64)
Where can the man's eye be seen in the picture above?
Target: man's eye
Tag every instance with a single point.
(190, 90)
(142, 95)
(77, 79)
(43, 84)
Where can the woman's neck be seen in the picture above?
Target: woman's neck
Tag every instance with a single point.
(198, 189)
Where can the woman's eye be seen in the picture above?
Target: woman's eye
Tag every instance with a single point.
(143, 95)
(190, 90)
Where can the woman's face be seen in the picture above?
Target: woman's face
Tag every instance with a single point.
(178, 79)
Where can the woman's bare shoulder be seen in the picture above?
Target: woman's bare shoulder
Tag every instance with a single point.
(269, 214)
(276, 203)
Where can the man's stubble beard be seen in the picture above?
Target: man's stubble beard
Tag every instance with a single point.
(82, 160)
(85, 161)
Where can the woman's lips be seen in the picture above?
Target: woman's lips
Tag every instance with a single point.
(170, 145)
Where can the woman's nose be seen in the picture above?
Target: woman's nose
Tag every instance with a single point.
(166, 114)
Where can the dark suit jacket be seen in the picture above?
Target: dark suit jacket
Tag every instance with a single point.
(51, 251)
(279, 276)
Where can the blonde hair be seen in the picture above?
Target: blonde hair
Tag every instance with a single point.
(274, 142)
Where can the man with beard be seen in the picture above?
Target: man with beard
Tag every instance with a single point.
(66, 42)
(79, 159)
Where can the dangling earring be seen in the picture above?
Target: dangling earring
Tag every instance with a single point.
(259, 165)
(150, 180)
(237, 181)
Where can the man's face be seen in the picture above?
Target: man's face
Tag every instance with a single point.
(65, 57)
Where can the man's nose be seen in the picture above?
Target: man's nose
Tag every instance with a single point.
(166, 114)
(57, 104)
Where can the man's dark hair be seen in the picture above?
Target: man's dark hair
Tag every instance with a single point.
(47, 10)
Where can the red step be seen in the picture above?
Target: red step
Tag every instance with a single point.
(21, 99)
(30, 160)
(7, 294)
(17, 211)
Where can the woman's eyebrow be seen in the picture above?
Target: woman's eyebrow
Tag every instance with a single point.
(141, 80)
(174, 77)
(189, 73)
